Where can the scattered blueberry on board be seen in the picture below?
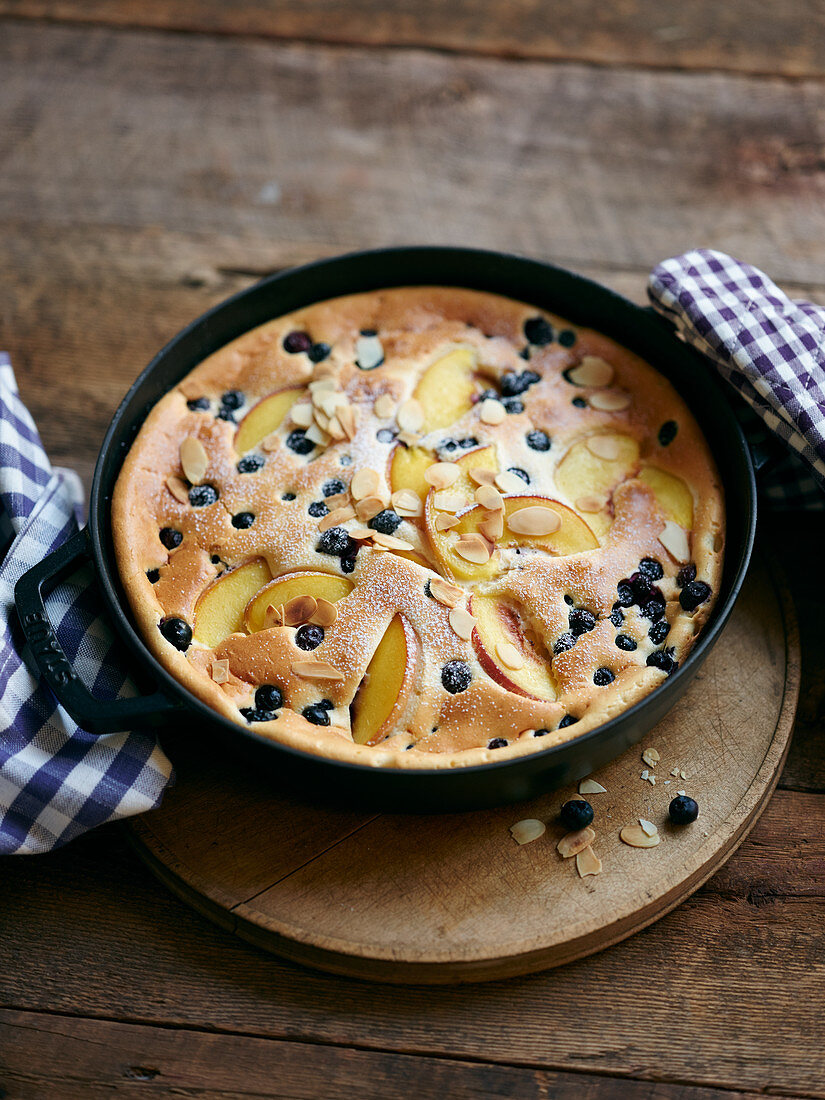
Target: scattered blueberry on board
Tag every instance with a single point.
(683, 810)
(576, 814)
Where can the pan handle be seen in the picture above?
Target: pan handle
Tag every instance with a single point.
(98, 716)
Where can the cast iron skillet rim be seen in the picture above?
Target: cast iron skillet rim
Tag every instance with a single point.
(98, 507)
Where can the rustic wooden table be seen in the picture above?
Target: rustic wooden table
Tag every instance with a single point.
(155, 157)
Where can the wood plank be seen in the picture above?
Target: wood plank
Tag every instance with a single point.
(76, 1059)
(748, 36)
(87, 931)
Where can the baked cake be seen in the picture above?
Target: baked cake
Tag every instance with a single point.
(420, 527)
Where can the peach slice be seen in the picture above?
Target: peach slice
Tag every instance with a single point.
(572, 536)
(446, 388)
(407, 467)
(283, 589)
(500, 645)
(380, 699)
(584, 475)
(219, 611)
(674, 497)
(264, 418)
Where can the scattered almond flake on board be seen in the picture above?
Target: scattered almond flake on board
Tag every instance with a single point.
(592, 371)
(441, 475)
(391, 542)
(509, 483)
(301, 415)
(473, 548)
(445, 593)
(384, 407)
(609, 400)
(491, 411)
(590, 504)
(220, 671)
(299, 610)
(674, 771)
(683, 793)
(444, 521)
(406, 502)
(445, 501)
(604, 446)
(193, 460)
(316, 670)
(648, 827)
(644, 774)
(365, 483)
(675, 541)
(325, 613)
(368, 507)
(588, 863)
(527, 830)
(573, 843)
(178, 489)
(651, 757)
(482, 476)
(462, 623)
(369, 352)
(336, 517)
(536, 519)
(410, 416)
(509, 655)
(636, 837)
(590, 786)
(682, 774)
(490, 498)
(492, 526)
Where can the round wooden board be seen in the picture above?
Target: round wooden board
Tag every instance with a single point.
(454, 898)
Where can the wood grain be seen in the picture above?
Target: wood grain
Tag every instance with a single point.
(748, 36)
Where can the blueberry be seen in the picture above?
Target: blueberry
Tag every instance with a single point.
(625, 642)
(659, 631)
(693, 594)
(565, 642)
(216, 559)
(269, 697)
(232, 399)
(468, 442)
(525, 352)
(654, 609)
(538, 440)
(517, 470)
(250, 463)
(663, 660)
(288, 496)
(651, 569)
(345, 460)
(667, 432)
(456, 676)
(567, 338)
(224, 413)
(683, 810)
(642, 588)
(153, 576)
(513, 384)
(624, 590)
(201, 496)
(309, 636)
(386, 522)
(297, 441)
(568, 599)
(579, 403)
(448, 446)
(487, 395)
(498, 743)
(295, 342)
(617, 615)
(254, 714)
(538, 331)
(513, 406)
(319, 352)
(581, 620)
(540, 733)
(568, 720)
(348, 563)
(335, 542)
(603, 676)
(576, 814)
(318, 509)
(170, 538)
(199, 404)
(385, 435)
(332, 487)
(369, 332)
(685, 575)
(316, 714)
(177, 632)
(243, 520)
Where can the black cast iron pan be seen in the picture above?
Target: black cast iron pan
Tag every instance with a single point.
(171, 705)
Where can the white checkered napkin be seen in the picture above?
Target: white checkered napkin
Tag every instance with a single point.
(768, 346)
(56, 780)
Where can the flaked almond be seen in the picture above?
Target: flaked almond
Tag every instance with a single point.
(410, 438)
(348, 419)
(592, 371)
(270, 443)
(299, 609)
(365, 483)
(361, 534)
(336, 517)
(177, 487)
(391, 542)
(648, 827)
(590, 504)
(462, 623)
(384, 407)
(528, 830)
(410, 416)
(273, 616)
(588, 863)
(329, 403)
(490, 498)
(324, 369)
(193, 460)
(369, 352)
(220, 671)
(509, 655)
(675, 541)
(301, 415)
(509, 483)
(335, 429)
(492, 526)
(491, 411)
(325, 613)
(606, 447)
(337, 500)
(573, 843)
(441, 475)
(445, 501)
(406, 502)
(368, 507)
(590, 786)
(473, 548)
(444, 521)
(636, 837)
(321, 419)
(325, 384)
(448, 594)
(316, 670)
(609, 400)
(536, 519)
(651, 757)
(482, 476)
(317, 435)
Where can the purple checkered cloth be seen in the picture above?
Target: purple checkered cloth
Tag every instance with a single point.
(56, 781)
(770, 348)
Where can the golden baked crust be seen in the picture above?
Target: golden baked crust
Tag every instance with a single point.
(539, 638)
